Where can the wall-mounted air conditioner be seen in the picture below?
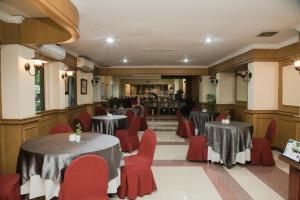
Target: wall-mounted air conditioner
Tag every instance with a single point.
(85, 64)
(52, 51)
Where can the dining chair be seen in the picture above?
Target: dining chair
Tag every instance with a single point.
(100, 111)
(129, 139)
(198, 149)
(60, 128)
(261, 153)
(130, 115)
(220, 117)
(136, 176)
(180, 130)
(10, 187)
(85, 121)
(86, 178)
(143, 122)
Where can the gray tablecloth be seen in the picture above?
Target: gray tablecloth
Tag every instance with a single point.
(229, 139)
(199, 118)
(108, 125)
(49, 156)
(123, 111)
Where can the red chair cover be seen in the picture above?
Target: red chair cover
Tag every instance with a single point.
(144, 124)
(85, 121)
(261, 153)
(100, 111)
(130, 115)
(180, 130)
(129, 139)
(220, 117)
(136, 176)
(196, 109)
(61, 128)
(86, 178)
(10, 187)
(134, 101)
(271, 130)
(197, 144)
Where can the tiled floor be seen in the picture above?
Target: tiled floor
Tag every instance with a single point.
(178, 179)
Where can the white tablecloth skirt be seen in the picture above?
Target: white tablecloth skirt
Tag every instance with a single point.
(37, 187)
(241, 157)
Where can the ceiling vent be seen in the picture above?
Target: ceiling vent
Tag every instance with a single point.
(52, 51)
(267, 34)
(85, 64)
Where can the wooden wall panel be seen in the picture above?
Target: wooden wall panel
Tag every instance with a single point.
(286, 130)
(10, 142)
(14, 132)
(30, 131)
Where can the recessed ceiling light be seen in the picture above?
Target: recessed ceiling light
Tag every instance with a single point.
(208, 40)
(110, 40)
(125, 60)
(186, 60)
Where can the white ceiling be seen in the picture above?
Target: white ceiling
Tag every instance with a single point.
(181, 25)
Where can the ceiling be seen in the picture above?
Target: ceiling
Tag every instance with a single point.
(145, 29)
(21, 8)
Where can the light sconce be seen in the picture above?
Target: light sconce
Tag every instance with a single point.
(66, 74)
(36, 63)
(213, 80)
(246, 75)
(95, 80)
(297, 65)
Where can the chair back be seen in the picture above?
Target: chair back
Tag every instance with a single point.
(188, 127)
(130, 115)
(85, 121)
(220, 117)
(100, 111)
(178, 114)
(85, 178)
(134, 126)
(60, 128)
(271, 130)
(147, 146)
(196, 109)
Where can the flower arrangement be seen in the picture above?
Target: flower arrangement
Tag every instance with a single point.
(78, 129)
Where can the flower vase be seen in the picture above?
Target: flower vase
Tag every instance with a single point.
(77, 138)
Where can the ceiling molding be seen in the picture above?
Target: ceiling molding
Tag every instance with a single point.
(155, 67)
(286, 53)
(297, 27)
(256, 46)
(151, 71)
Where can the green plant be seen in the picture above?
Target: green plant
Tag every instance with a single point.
(78, 129)
(211, 101)
(211, 98)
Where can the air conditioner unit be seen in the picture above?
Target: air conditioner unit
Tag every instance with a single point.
(85, 64)
(52, 51)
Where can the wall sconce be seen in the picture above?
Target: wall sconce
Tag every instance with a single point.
(246, 75)
(37, 64)
(297, 65)
(213, 80)
(95, 80)
(66, 74)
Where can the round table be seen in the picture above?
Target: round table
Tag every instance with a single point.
(200, 118)
(43, 161)
(229, 143)
(109, 124)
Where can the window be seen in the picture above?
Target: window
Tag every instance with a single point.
(39, 91)
(71, 90)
